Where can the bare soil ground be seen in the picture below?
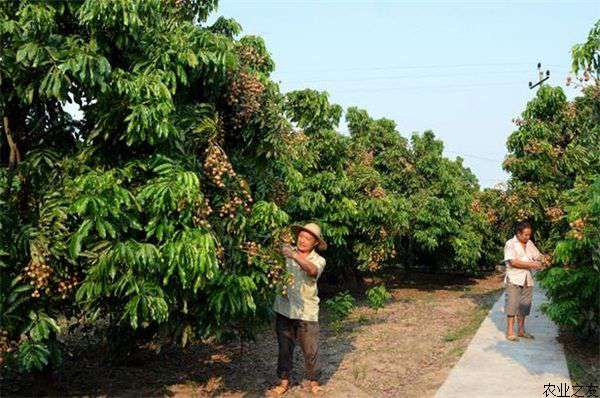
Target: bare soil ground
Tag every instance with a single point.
(405, 349)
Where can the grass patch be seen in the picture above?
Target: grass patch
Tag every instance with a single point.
(456, 351)
(578, 372)
(359, 372)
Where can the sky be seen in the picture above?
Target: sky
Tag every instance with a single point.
(458, 68)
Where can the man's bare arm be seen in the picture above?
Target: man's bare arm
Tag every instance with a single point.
(306, 265)
(516, 263)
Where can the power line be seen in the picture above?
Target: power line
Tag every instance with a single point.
(474, 156)
(428, 87)
(430, 66)
(393, 78)
(407, 3)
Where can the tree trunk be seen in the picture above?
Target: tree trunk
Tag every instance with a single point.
(14, 156)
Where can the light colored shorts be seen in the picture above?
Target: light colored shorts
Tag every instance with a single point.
(518, 300)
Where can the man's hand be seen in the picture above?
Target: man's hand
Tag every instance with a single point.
(537, 265)
(288, 251)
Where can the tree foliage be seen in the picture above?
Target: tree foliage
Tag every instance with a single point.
(158, 205)
(554, 160)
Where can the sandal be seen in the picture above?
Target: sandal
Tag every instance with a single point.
(315, 388)
(278, 390)
(512, 337)
(526, 335)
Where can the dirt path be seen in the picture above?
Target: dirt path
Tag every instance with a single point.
(405, 349)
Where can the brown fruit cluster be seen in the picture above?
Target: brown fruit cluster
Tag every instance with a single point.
(251, 57)
(523, 214)
(39, 275)
(252, 249)
(376, 257)
(377, 192)
(280, 194)
(554, 213)
(203, 210)
(66, 286)
(244, 97)
(577, 228)
(533, 147)
(231, 206)
(518, 121)
(509, 161)
(295, 138)
(491, 216)
(279, 277)
(217, 165)
(286, 236)
(366, 159)
(6, 346)
(220, 251)
(546, 260)
(476, 206)
(512, 200)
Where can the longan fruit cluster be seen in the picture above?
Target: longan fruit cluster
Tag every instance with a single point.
(509, 161)
(65, 287)
(533, 147)
(491, 216)
(230, 207)
(584, 78)
(39, 275)
(280, 195)
(278, 276)
(286, 236)
(367, 159)
(577, 228)
(219, 251)
(512, 200)
(251, 57)
(376, 257)
(295, 138)
(217, 165)
(377, 192)
(546, 260)
(252, 250)
(523, 214)
(245, 97)
(476, 206)
(518, 121)
(6, 346)
(554, 213)
(202, 212)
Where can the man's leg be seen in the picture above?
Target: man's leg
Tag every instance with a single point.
(510, 325)
(521, 324)
(511, 308)
(524, 309)
(308, 338)
(286, 344)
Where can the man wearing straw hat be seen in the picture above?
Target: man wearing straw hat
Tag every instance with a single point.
(298, 311)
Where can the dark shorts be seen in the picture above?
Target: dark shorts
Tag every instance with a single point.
(518, 300)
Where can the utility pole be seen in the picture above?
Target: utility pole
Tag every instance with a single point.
(541, 78)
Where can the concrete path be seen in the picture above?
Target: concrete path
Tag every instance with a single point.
(495, 367)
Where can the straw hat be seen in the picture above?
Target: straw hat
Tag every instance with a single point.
(312, 229)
